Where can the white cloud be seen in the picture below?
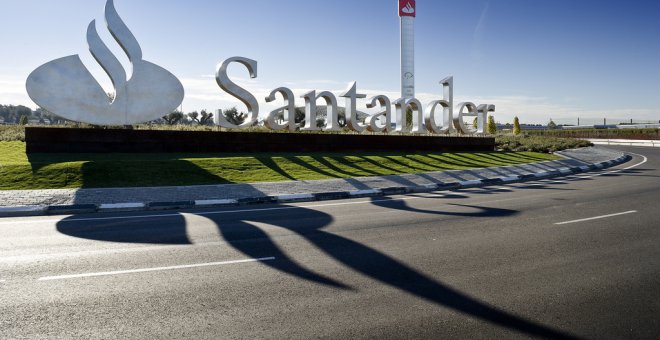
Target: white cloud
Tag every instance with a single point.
(12, 92)
(205, 94)
(541, 110)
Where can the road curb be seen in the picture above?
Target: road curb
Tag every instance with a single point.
(303, 197)
(71, 209)
(35, 210)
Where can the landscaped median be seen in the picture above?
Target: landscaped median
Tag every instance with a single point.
(19, 171)
(336, 167)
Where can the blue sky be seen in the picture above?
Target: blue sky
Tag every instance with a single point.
(539, 59)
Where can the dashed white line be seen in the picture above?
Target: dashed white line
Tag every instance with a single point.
(597, 217)
(143, 270)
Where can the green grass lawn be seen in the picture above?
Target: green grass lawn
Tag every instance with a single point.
(51, 171)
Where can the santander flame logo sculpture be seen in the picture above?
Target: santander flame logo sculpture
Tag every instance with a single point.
(66, 88)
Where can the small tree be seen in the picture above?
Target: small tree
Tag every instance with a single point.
(552, 125)
(23, 120)
(492, 127)
(194, 116)
(409, 118)
(516, 126)
(233, 116)
(206, 118)
(475, 123)
(299, 116)
(341, 117)
(173, 117)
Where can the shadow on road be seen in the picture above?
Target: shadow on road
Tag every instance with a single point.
(239, 231)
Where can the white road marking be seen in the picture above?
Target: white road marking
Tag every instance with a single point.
(111, 206)
(214, 202)
(597, 217)
(620, 170)
(365, 192)
(638, 164)
(591, 176)
(281, 208)
(177, 214)
(143, 270)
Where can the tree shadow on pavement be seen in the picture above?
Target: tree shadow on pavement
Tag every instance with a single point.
(240, 231)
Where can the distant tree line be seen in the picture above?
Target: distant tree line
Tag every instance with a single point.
(236, 117)
(22, 115)
(177, 117)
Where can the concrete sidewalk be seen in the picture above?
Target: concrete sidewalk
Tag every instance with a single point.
(72, 201)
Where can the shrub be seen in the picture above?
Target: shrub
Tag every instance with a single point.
(538, 143)
(11, 133)
(516, 126)
(492, 128)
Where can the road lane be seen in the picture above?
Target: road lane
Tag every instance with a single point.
(472, 263)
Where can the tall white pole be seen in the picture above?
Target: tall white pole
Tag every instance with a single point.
(407, 12)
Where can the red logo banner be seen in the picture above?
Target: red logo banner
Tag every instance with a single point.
(407, 8)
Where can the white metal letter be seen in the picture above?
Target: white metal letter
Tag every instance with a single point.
(238, 92)
(351, 96)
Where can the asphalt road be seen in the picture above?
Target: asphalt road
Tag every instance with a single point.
(577, 257)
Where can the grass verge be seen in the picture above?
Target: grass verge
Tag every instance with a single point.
(19, 171)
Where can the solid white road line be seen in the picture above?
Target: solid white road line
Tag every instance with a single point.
(143, 270)
(177, 214)
(619, 170)
(597, 217)
(638, 164)
(270, 209)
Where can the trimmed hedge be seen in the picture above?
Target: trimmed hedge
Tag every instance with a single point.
(12, 133)
(599, 133)
(538, 143)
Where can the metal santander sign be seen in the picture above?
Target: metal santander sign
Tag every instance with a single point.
(407, 8)
(438, 116)
(66, 88)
